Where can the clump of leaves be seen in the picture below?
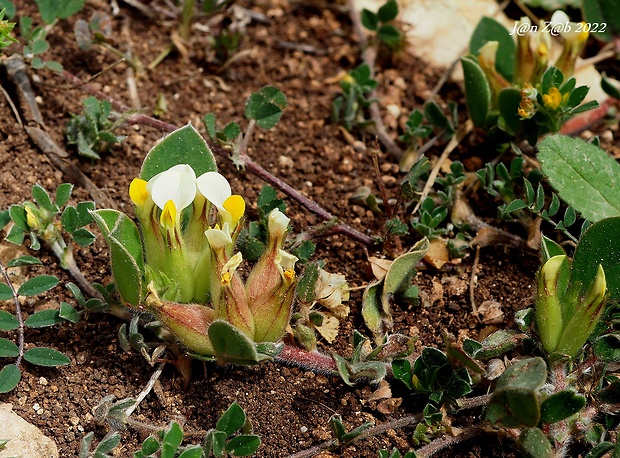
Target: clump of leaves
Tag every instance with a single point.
(381, 23)
(6, 28)
(93, 130)
(350, 107)
(35, 38)
(232, 436)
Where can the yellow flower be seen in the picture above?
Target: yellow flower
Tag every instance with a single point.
(138, 192)
(552, 99)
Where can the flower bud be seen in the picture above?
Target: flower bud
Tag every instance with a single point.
(270, 287)
(586, 316)
(233, 303)
(486, 59)
(187, 322)
(525, 57)
(548, 308)
(575, 38)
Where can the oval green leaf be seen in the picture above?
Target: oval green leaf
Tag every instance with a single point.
(43, 319)
(24, 261)
(477, 91)
(48, 357)
(37, 285)
(231, 345)
(232, 420)
(585, 176)
(126, 254)
(243, 445)
(9, 378)
(561, 405)
(183, 146)
(8, 322)
(8, 349)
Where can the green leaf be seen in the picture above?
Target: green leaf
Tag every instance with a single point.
(108, 444)
(232, 420)
(551, 78)
(389, 34)
(84, 215)
(577, 96)
(508, 104)
(49, 357)
(9, 378)
(8, 321)
(243, 445)
(600, 244)
(216, 441)
(535, 444)
(5, 218)
(369, 19)
(183, 146)
(561, 405)
(150, 446)
(18, 215)
(515, 399)
(210, 124)
(54, 66)
(68, 313)
(601, 12)
(607, 348)
(265, 106)
(192, 452)
(231, 345)
(171, 441)
(434, 115)
(610, 88)
(126, 254)
(63, 193)
(401, 273)
(24, 261)
(8, 349)
(83, 237)
(477, 91)
(39, 46)
(5, 292)
(488, 29)
(515, 205)
(584, 176)
(388, 11)
(371, 307)
(307, 282)
(58, 9)
(8, 7)
(43, 319)
(43, 199)
(231, 131)
(401, 368)
(37, 285)
(69, 219)
(549, 249)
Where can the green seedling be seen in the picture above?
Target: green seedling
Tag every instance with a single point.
(350, 107)
(380, 23)
(6, 28)
(93, 131)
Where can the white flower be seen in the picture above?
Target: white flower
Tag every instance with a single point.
(218, 238)
(278, 223)
(216, 189)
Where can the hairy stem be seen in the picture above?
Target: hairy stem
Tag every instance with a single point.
(446, 441)
(407, 422)
(18, 314)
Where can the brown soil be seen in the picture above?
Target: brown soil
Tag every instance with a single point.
(288, 407)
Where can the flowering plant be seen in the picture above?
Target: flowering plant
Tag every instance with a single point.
(513, 89)
(180, 262)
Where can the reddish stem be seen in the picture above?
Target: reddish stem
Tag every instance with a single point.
(314, 361)
(250, 165)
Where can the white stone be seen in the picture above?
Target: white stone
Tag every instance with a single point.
(24, 439)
